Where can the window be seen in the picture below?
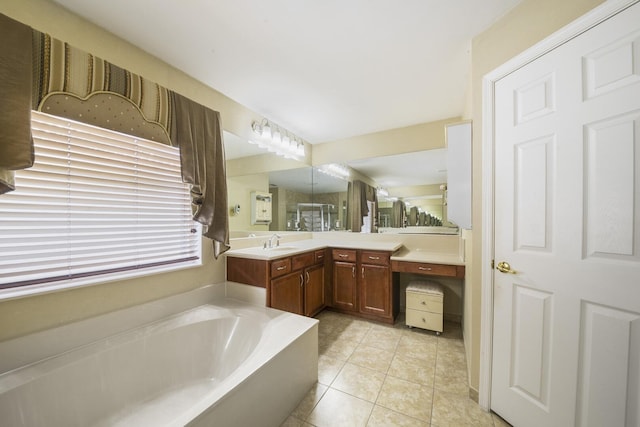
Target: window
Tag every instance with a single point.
(95, 202)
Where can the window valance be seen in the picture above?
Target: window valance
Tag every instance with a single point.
(42, 73)
(74, 84)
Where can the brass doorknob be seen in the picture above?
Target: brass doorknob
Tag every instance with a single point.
(504, 267)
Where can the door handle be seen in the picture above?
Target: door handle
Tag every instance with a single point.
(353, 271)
(504, 267)
(307, 274)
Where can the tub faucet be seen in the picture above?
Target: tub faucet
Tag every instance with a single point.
(275, 236)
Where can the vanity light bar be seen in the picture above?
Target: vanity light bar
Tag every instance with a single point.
(277, 140)
(336, 170)
(383, 192)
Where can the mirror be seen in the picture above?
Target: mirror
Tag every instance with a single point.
(416, 187)
(305, 199)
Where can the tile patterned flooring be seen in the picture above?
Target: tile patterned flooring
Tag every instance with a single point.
(371, 374)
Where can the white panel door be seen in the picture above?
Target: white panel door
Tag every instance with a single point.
(566, 331)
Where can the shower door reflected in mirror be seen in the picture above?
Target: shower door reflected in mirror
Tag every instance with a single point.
(307, 200)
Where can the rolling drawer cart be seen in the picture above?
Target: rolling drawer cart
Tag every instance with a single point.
(425, 305)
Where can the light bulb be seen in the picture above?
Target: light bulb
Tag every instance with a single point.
(266, 130)
(277, 136)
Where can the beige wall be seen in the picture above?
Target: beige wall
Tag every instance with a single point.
(239, 189)
(262, 163)
(424, 136)
(521, 28)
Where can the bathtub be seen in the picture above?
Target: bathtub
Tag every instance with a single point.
(224, 363)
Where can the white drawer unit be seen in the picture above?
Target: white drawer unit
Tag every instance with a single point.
(424, 305)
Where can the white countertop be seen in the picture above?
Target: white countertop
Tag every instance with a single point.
(300, 246)
(419, 255)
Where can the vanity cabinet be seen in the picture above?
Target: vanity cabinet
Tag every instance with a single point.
(344, 279)
(295, 283)
(429, 269)
(362, 283)
(286, 293)
(313, 290)
(301, 291)
(375, 284)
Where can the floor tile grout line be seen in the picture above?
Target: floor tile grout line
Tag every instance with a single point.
(433, 387)
(359, 345)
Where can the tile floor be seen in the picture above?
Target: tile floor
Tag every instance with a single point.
(371, 374)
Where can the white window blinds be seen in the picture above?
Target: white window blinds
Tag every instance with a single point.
(94, 202)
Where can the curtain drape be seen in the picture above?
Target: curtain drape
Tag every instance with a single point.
(42, 73)
(16, 145)
(398, 214)
(358, 193)
(356, 205)
(198, 133)
(412, 218)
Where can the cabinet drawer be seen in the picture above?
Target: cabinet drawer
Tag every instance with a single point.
(377, 258)
(424, 302)
(425, 268)
(280, 267)
(319, 256)
(425, 320)
(344, 255)
(301, 261)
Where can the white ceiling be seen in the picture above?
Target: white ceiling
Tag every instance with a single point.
(324, 70)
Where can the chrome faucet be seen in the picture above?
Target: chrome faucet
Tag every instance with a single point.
(270, 241)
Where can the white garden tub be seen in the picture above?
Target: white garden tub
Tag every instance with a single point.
(222, 364)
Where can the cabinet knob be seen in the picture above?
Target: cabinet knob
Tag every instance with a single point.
(281, 268)
(374, 257)
(424, 268)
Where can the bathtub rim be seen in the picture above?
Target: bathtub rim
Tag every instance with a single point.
(282, 331)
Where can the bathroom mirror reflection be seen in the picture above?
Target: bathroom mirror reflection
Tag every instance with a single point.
(307, 200)
(413, 199)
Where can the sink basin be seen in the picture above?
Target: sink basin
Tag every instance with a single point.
(282, 248)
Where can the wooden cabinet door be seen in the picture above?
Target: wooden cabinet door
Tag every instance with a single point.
(287, 292)
(375, 290)
(344, 285)
(313, 289)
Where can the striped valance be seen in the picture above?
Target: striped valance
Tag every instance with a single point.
(71, 83)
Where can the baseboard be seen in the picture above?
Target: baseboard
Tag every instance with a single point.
(455, 318)
(473, 394)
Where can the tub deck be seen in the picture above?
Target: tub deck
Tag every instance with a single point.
(206, 363)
